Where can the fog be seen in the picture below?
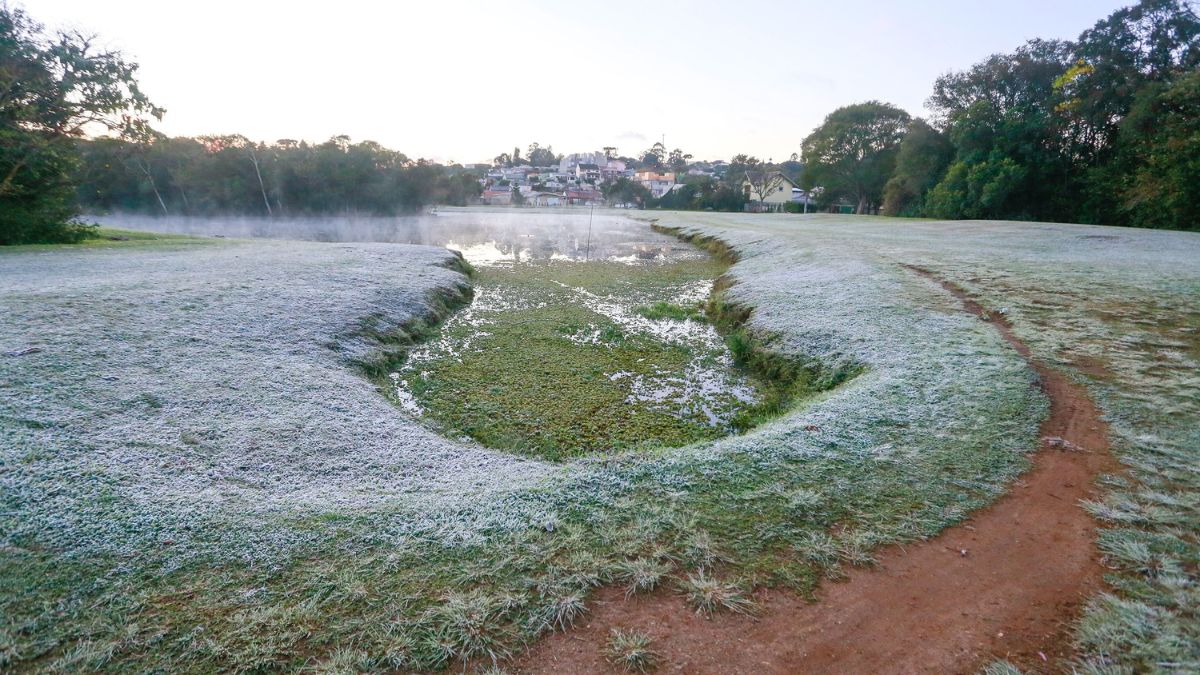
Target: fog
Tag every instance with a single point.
(484, 237)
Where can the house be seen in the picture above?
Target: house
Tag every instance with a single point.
(496, 196)
(540, 198)
(776, 187)
(657, 183)
(584, 195)
(611, 170)
(588, 173)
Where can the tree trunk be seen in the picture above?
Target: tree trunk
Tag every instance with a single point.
(262, 188)
(153, 186)
(862, 205)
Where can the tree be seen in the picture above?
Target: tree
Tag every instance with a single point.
(924, 155)
(1159, 157)
(654, 157)
(539, 156)
(1013, 149)
(1152, 41)
(625, 191)
(54, 88)
(853, 152)
(678, 160)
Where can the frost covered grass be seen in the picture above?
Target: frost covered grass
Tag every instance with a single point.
(197, 476)
(1117, 309)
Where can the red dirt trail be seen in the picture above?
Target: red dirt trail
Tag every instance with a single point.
(1030, 563)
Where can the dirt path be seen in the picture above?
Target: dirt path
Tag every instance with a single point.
(1005, 584)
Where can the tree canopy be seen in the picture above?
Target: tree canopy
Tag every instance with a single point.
(53, 89)
(853, 152)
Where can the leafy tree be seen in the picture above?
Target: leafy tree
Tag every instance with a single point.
(678, 160)
(1012, 151)
(54, 88)
(654, 157)
(625, 191)
(539, 156)
(924, 155)
(1150, 42)
(854, 150)
(1159, 158)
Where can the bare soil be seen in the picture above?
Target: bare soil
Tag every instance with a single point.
(1008, 583)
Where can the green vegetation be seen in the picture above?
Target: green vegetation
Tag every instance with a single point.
(231, 174)
(55, 88)
(666, 310)
(630, 650)
(551, 377)
(709, 595)
(1099, 130)
(853, 152)
(114, 237)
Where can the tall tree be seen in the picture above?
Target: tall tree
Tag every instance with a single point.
(54, 88)
(853, 152)
(924, 155)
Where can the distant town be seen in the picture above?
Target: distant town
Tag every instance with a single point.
(656, 178)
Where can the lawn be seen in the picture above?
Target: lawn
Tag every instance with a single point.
(199, 473)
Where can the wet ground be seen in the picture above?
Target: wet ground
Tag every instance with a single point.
(560, 353)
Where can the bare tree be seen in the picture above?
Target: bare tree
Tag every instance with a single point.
(261, 186)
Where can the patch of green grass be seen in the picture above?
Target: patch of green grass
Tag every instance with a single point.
(552, 378)
(113, 237)
(668, 311)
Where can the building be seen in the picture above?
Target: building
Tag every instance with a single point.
(497, 196)
(584, 195)
(777, 188)
(657, 183)
(539, 198)
(587, 173)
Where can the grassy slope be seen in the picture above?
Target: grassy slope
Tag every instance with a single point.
(237, 497)
(1117, 309)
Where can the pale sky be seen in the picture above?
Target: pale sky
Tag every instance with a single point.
(465, 81)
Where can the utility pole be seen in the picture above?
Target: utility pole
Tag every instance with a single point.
(587, 254)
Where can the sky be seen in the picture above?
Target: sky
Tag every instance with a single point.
(464, 81)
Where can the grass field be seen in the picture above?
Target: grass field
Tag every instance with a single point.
(197, 475)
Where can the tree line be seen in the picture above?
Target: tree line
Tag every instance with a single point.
(1104, 129)
(231, 174)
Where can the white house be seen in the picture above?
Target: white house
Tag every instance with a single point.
(776, 187)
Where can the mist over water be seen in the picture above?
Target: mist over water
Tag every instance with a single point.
(484, 237)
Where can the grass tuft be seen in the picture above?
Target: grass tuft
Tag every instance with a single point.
(630, 651)
(642, 575)
(709, 595)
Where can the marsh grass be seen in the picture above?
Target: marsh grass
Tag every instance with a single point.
(549, 378)
(662, 310)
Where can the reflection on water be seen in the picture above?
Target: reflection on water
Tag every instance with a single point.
(484, 237)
